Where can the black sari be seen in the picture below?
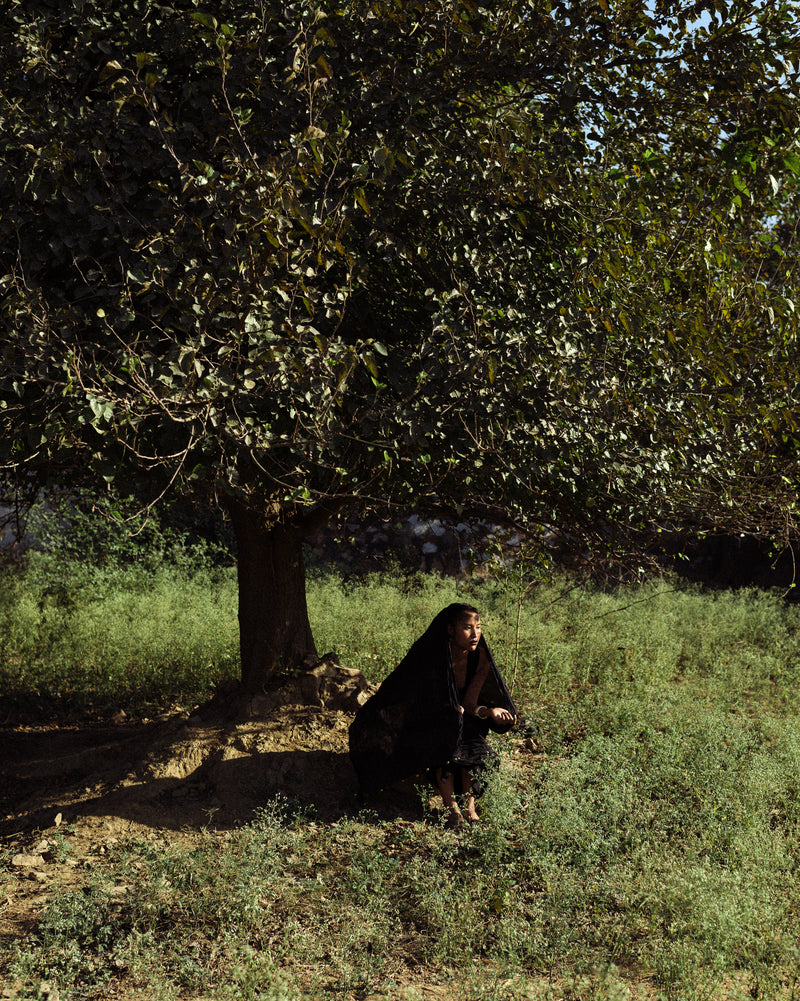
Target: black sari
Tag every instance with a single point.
(414, 724)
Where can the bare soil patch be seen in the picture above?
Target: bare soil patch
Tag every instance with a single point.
(184, 770)
(170, 778)
(177, 772)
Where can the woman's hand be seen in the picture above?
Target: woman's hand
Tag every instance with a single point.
(495, 714)
(498, 715)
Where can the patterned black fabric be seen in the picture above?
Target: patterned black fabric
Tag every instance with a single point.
(471, 754)
(413, 723)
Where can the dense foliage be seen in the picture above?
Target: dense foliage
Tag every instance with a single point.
(305, 255)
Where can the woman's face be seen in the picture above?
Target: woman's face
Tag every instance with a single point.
(466, 633)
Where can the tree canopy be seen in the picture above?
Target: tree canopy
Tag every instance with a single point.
(535, 255)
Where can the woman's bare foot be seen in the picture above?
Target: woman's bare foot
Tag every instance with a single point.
(455, 821)
(470, 812)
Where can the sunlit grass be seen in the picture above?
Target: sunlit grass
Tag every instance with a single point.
(124, 637)
(123, 632)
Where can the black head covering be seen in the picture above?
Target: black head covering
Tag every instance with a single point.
(413, 722)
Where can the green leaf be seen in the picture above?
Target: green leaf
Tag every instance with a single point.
(361, 199)
(206, 19)
(792, 162)
(740, 184)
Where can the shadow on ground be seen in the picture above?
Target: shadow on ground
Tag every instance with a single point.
(186, 772)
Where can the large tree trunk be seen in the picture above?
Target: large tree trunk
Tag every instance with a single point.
(274, 631)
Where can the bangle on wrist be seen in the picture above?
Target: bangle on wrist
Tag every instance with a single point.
(478, 712)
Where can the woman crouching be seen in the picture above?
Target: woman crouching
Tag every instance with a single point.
(432, 714)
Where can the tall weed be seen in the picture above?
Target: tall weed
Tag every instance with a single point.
(122, 638)
(372, 621)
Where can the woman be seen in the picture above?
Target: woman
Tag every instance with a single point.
(433, 712)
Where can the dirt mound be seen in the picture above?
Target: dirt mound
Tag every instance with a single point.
(214, 767)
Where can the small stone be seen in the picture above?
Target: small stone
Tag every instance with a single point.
(23, 861)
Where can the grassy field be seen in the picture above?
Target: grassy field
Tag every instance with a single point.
(651, 852)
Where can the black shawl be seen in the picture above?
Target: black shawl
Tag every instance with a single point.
(413, 722)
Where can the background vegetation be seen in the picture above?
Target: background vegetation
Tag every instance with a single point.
(541, 261)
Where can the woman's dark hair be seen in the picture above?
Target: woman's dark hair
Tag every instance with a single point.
(457, 611)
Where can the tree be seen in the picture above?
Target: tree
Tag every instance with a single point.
(312, 255)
